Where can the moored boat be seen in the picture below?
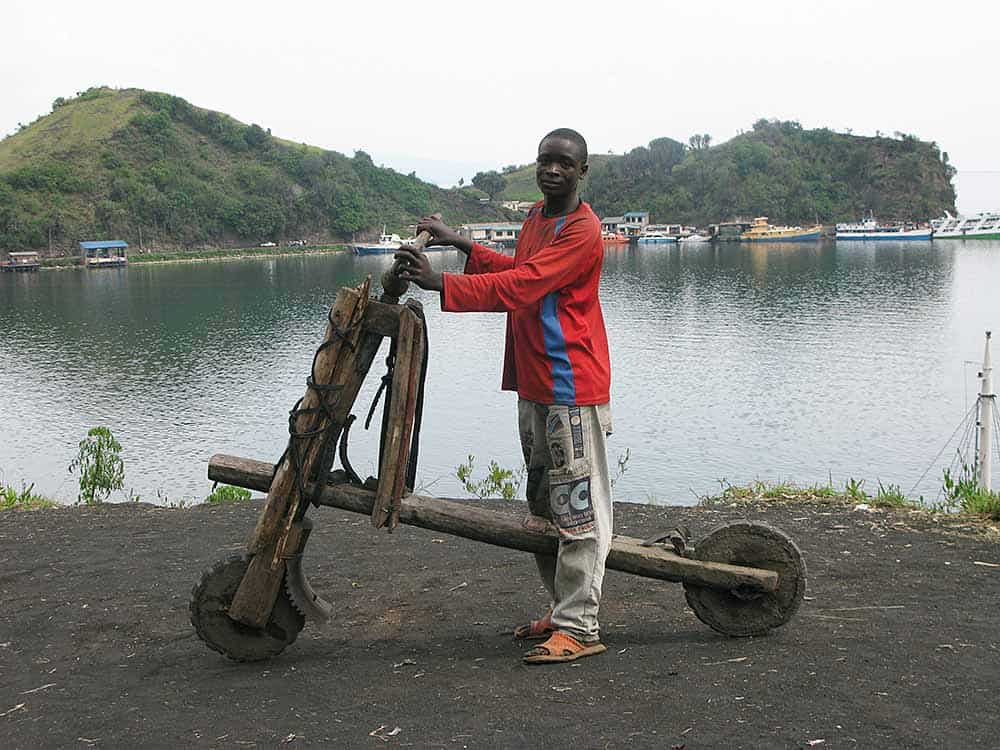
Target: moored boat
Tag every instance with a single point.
(695, 238)
(655, 237)
(387, 243)
(870, 229)
(984, 225)
(761, 231)
(613, 238)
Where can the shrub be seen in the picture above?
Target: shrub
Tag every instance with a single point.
(100, 465)
(498, 482)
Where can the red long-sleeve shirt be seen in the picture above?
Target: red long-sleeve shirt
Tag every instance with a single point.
(557, 347)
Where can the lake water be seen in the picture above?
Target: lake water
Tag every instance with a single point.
(731, 363)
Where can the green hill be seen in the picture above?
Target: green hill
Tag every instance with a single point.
(778, 170)
(117, 163)
(521, 185)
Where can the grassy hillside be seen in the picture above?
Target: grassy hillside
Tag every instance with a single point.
(114, 163)
(521, 184)
(781, 171)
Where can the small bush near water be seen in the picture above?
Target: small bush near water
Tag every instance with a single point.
(498, 482)
(228, 494)
(100, 465)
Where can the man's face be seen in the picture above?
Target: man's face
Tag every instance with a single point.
(559, 166)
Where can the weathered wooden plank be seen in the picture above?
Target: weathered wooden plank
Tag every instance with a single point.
(409, 416)
(394, 445)
(464, 520)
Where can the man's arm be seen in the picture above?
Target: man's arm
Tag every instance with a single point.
(572, 255)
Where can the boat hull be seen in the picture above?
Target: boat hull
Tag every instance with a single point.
(804, 237)
(967, 236)
(656, 240)
(876, 236)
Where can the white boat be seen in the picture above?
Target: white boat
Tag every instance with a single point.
(655, 237)
(869, 229)
(984, 225)
(695, 238)
(387, 243)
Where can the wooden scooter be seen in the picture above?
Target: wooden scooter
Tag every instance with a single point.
(741, 579)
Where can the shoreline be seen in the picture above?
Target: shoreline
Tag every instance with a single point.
(198, 256)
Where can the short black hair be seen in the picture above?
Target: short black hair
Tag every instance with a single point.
(570, 135)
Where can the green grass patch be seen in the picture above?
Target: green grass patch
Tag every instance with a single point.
(887, 495)
(24, 499)
(226, 493)
(964, 493)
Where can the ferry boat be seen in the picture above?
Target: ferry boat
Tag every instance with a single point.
(984, 225)
(761, 231)
(869, 229)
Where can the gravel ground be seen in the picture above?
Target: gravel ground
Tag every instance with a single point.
(897, 644)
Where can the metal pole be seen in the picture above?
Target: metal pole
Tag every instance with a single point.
(986, 397)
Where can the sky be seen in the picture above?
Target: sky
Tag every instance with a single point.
(448, 88)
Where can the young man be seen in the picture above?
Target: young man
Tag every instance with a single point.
(557, 360)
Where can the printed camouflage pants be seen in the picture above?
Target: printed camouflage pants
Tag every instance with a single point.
(568, 483)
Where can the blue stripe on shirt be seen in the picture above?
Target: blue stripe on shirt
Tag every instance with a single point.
(563, 387)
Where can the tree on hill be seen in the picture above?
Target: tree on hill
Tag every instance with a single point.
(700, 141)
(492, 183)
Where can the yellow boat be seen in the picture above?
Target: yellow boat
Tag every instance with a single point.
(761, 231)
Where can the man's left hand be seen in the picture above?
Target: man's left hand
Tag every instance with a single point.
(412, 265)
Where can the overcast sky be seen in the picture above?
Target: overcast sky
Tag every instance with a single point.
(448, 88)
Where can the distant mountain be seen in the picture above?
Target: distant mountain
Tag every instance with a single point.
(778, 170)
(116, 163)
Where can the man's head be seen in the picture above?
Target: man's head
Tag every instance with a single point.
(561, 162)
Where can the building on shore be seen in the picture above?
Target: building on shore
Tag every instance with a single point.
(104, 253)
(21, 261)
(631, 224)
(503, 233)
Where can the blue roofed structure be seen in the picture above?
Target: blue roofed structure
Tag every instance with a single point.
(103, 244)
(103, 253)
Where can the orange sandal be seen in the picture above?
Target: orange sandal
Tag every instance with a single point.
(562, 647)
(535, 629)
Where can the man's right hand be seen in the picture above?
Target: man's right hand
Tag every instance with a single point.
(442, 234)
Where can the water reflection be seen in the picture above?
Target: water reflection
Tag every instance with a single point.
(739, 362)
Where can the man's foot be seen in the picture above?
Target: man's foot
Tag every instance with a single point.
(562, 647)
(537, 523)
(535, 629)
